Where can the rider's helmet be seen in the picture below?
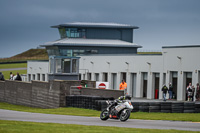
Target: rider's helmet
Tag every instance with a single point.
(121, 98)
(128, 97)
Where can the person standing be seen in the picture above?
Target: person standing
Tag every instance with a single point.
(11, 76)
(193, 90)
(164, 89)
(189, 92)
(170, 90)
(1, 76)
(197, 92)
(123, 86)
(18, 77)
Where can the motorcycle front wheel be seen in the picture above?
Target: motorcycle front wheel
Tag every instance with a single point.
(125, 114)
(104, 115)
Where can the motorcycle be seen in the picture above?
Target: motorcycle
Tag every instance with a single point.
(121, 110)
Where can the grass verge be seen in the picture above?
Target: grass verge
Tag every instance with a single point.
(13, 65)
(7, 73)
(194, 117)
(33, 127)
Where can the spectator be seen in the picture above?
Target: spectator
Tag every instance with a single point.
(18, 77)
(1, 76)
(14, 76)
(197, 92)
(193, 90)
(123, 86)
(164, 89)
(11, 76)
(189, 92)
(170, 90)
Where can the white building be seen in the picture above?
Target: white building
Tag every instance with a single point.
(37, 70)
(146, 73)
(143, 73)
(107, 53)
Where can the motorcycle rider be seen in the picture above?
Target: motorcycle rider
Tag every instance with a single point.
(119, 100)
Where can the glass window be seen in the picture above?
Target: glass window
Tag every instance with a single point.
(66, 65)
(51, 65)
(58, 66)
(62, 32)
(74, 65)
(75, 33)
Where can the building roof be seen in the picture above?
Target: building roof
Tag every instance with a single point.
(91, 42)
(181, 46)
(95, 25)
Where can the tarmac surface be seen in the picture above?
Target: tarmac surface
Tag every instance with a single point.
(12, 69)
(81, 120)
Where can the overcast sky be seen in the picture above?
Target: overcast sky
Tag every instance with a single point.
(25, 24)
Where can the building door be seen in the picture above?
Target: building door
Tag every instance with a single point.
(156, 84)
(198, 76)
(114, 81)
(96, 76)
(188, 79)
(174, 84)
(105, 77)
(89, 76)
(123, 76)
(133, 84)
(144, 77)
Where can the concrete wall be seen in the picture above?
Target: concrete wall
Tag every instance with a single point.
(2, 90)
(50, 94)
(35, 94)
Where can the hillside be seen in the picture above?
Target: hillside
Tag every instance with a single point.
(41, 54)
(31, 54)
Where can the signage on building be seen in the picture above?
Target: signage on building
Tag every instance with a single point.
(102, 85)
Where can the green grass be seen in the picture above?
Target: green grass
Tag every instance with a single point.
(59, 111)
(13, 65)
(7, 73)
(33, 127)
(194, 117)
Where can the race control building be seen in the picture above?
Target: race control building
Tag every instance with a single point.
(106, 52)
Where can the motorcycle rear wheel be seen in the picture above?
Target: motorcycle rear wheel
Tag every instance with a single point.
(124, 116)
(104, 115)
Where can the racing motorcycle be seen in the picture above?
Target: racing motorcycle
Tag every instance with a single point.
(121, 110)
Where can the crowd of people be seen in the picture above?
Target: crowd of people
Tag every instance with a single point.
(191, 92)
(12, 76)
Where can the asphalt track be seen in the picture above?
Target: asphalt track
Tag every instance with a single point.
(12, 69)
(81, 120)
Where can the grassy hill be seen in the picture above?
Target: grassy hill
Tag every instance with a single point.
(41, 54)
(31, 54)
